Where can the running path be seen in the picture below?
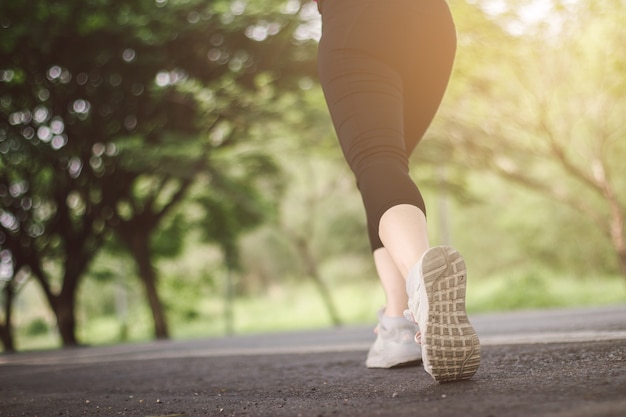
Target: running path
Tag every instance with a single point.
(494, 329)
(560, 363)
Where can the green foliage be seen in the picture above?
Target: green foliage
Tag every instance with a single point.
(168, 240)
(537, 103)
(37, 327)
(111, 138)
(535, 289)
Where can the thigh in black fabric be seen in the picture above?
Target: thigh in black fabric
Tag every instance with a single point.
(401, 48)
(366, 105)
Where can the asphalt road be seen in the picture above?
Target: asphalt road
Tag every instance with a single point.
(558, 363)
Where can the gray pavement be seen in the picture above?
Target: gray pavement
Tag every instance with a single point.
(536, 363)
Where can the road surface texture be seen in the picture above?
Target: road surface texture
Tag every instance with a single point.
(563, 363)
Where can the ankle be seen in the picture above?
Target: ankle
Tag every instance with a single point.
(394, 311)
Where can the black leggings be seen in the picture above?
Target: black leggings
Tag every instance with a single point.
(384, 66)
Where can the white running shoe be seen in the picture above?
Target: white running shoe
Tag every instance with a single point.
(394, 344)
(436, 289)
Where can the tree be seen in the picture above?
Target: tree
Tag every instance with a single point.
(140, 106)
(241, 85)
(546, 114)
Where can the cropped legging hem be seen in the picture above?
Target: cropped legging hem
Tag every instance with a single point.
(382, 192)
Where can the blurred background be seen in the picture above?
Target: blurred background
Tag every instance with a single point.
(168, 168)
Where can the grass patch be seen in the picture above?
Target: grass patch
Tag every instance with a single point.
(25, 342)
(536, 290)
(301, 307)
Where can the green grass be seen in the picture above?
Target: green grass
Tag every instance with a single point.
(536, 290)
(299, 307)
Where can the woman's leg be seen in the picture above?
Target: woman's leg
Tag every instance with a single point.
(384, 67)
(395, 335)
(404, 233)
(393, 283)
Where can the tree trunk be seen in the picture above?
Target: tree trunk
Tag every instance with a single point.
(229, 295)
(6, 335)
(65, 301)
(619, 243)
(616, 231)
(64, 309)
(6, 329)
(313, 273)
(620, 250)
(63, 304)
(622, 262)
(160, 323)
(147, 274)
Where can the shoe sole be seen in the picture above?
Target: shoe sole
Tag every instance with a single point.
(403, 363)
(450, 345)
(393, 358)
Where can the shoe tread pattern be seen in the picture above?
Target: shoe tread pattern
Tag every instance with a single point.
(449, 342)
